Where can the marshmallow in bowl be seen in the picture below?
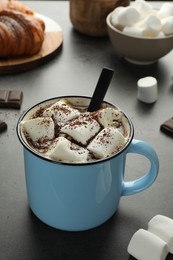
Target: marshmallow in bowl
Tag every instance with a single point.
(134, 31)
(66, 151)
(167, 25)
(39, 128)
(61, 112)
(166, 10)
(81, 129)
(114, 18)
(146, 246)
(103, 145)
(152, 26)
(128, 16)
(149, 23)
(143, 7)
(149, 27)
(162, 226)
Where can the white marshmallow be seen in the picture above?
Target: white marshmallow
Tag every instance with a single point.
(128, 16)
(114, 17)
(61, 112)
(64, 150)
(125, 127)
(146, 246)
(40, 127)
(167, 25)
(107, 142)
(109, 117)
(147, 89)
(152, 26)
(160, 34)
(162, 227)
(140, 19)
(81, 129)
(134, 31)
(165, 10)
(143, 7)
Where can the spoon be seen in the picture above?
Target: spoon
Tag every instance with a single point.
(101, 89)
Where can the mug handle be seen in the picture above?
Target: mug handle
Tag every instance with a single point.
(136, 186)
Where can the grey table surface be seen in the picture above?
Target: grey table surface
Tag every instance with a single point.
(75, 70)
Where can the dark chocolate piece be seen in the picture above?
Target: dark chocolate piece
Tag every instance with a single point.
(11, 98)
(3, 126)
(167, 127)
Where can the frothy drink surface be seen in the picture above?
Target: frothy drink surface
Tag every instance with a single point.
(63, 130)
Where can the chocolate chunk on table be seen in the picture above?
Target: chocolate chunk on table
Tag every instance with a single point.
(3, 126)
(11, 99)
(167, 127)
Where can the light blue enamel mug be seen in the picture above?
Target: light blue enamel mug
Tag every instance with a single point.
(76, 197)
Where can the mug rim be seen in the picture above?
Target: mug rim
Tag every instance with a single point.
(30, 149)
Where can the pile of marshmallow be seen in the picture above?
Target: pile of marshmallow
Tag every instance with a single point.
(142, 20)
(101, 133)
(154, 243)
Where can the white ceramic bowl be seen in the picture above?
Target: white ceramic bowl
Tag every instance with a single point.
(138, 50)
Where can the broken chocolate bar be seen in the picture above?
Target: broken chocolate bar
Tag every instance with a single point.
(167, 127)
(3, 126)
(11, 99)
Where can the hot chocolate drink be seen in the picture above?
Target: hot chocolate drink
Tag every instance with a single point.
(62, 130)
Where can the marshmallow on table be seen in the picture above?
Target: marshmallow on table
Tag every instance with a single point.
(144, 245)
(147, 89)
(162, 226)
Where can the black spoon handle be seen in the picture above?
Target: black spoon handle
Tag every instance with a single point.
(101, 89)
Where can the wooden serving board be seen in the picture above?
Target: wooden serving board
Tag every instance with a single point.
(51, 46)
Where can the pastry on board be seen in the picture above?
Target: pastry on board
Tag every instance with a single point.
(21, 32)
(16, 6)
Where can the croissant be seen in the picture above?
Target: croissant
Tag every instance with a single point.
(16, 6)
(20, 34)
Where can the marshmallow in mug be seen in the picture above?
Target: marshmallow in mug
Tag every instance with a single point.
(64, 131)
(147, 21)
(63, 148)
(81, 129)
(111, 138)
(61, 112)
(39, 128)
